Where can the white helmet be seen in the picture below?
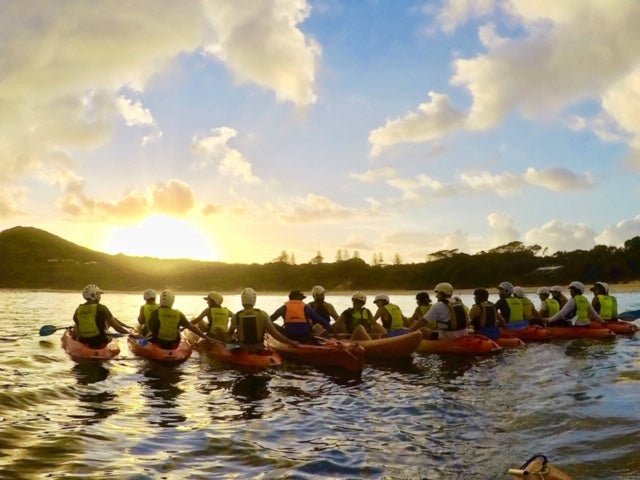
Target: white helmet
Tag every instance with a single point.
(167, 298)
(578, 286)
(214, 297)
(361, 297)
(91, 292)
(543, 291)
(604, 286)
(507, 287)
(445, 288)
(149, 294)
(381, 298)
(556, 288)
(248, 296)
(456, 299)
(519, 292)
(317, 291)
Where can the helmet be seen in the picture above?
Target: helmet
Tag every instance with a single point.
(167, 297)
(248, 296)
(317, 291)
(481, 293)
(556, 288)
(507, 287)
(604, 286)
(423, 297)
(543, 291)
(381, 298)
(149, 294)
(519, 292)
(578, 286)
(91, 292)
(361, 297)
(456, 299)
(296, 295)
(445, 288)
(214, 297)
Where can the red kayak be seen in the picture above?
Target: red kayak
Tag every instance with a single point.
(149, 350)
(509, 342)
(530, 333)
(616, 326)
(236, 355)
(81, 351)
(580, 332)
(468, 345)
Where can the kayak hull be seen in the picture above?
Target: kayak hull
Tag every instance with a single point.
(332, 353)
(467, 345)
(238, 356)
(580, 332)
(79, 351)
(509, 342)
(538, 467)
(391, 348)
(531, 333)
(618, 327)
(151, 351)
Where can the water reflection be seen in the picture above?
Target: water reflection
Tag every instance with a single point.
(249, 390)
(98, 403)
(163, 389)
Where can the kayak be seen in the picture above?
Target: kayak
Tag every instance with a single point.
(80, 351)
(509, 342)
(390, 348)
(236, 355)
(580, 332)
(538, 467)
(616, 326)
(468, 345)
(331, 353)
(530, 333)
(146, 349)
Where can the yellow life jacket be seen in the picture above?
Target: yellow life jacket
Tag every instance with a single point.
(527, 308)
(219, 318)
(396, 317)
(424, 309)
(606, 307)
(87, 325)
(355, 317)
(581, 312)
(552, 306)
(516, 308)
(169, 319)
(488, 315)
(147, 309)
(251, 326)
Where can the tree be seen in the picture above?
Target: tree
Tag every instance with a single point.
(397, 259)
(317, 259)
(356, 254)
(282, 258)
(339, 255)
(292, 259)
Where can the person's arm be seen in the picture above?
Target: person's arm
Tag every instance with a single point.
(315, 317)
(564, 311)
(141, 319)
(593, 315)
(332, 312)
(203, 314)
(280, 312)
(117, 326)
(189, 326)
(614, 312)
(275, 333)
(595, 303)
(503, 308)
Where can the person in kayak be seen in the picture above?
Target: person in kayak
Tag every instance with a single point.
(423, 301)
(529, 311)
(165, 323)
(322, 308)
(390, 315)
(548, 306)
(218, 318)
(510, 307)
(357, 320)
(445, 319)
(603, 303)
(556, 294)
(251, 324)
(483, 316)
(149, 306)
(299, 318)
(577, 311)
(92, 319)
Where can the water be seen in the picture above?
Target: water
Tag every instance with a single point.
(430, 417)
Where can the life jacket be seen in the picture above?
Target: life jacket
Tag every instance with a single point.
(219, 318)
(552, 306)
(424, 309)
(396, 317)
(581, 310)
(169, 319)
(516, 310)
(87, 325)
(295, 312)
(147, 308)
(250, 326)
(487, 317)
(606, 307)
(457, 318)
(527, 308)
(353, 317)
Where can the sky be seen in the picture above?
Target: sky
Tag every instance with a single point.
(235, 130)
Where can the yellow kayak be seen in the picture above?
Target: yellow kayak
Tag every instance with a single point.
(538, 467)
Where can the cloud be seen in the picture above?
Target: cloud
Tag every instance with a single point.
(433, 120)
(411, 186)
(558, 179)
(457, 12)
(261, 42)
(560, 236)
(10, 199)
(312, 208)
(133, 112)
(213, 149)
(211, 209)
(502, 227)
(374, 174)
(502, 184)
(174, 198)
(356, 242)
(619, 233)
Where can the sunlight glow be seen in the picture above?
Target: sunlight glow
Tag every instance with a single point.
(162, 237)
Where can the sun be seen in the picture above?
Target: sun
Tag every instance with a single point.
(162, 237)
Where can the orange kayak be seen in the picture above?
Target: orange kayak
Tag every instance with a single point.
(538, 467)
(616, 326)
(331, 353)
(80, 351)
(531, 333)
(580, 332)
(146, 349)
(390, 348)
(238, 356)
(509, 342)
(467, 345)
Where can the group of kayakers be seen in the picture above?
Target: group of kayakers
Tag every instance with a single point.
(447, 318)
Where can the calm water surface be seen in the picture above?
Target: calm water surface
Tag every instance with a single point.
(430, 417)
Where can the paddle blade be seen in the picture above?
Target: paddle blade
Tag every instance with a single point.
(49, 329)
(629, 315)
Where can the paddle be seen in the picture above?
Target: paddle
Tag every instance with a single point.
(47, 330)
(629, 315)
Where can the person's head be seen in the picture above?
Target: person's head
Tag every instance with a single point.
(358, 299)
(576, 288)
(167, 297)
(92, 293)
(443, 291)
(423, 298)
(519, 292)
(480, 295)
(381, 300)
(317, 292)
(296, 295)
(214, 299)
(149, 295)
(600, 288)
(555, 291)
(505, 289)
(543, 293)
(457, 299)
(248, 297)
